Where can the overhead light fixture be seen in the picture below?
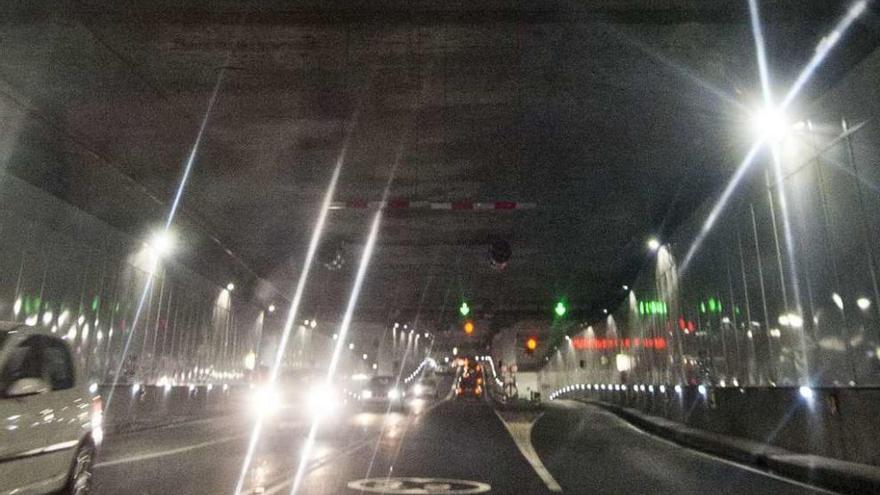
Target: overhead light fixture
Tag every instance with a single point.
(271, 308)
(863, 303)
(161, 243)
(806, 392)
(770, 125)
(791, 320)
(653, 244)
(230, 287)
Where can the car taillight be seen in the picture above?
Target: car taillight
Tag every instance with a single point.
(97, 420)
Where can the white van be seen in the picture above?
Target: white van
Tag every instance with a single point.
(50, 426)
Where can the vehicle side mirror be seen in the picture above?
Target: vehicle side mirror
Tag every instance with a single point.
(27, 386)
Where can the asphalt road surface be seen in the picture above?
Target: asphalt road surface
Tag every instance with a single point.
(451, 446)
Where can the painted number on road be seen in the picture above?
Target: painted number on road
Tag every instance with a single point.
(416, 486)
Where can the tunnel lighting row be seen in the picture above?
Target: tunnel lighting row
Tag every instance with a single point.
(166, 385)
(418, 370)
(806, 392)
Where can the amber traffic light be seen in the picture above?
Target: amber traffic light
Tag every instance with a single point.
(468, 327)
(531, 345)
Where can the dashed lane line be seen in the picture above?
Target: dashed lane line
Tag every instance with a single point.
(170, 452)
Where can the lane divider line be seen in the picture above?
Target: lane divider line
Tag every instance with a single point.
(521, 432)
(166, 453)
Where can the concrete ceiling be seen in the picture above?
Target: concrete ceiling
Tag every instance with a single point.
(614, 118)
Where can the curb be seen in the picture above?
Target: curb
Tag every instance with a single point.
(825, 472)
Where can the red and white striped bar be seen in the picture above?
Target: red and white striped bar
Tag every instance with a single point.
(402, 204)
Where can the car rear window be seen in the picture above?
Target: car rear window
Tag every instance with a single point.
(59, 367)
(23, 362)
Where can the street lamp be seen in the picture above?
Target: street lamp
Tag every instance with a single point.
(770, 125)
(161, 243)
(806, 392)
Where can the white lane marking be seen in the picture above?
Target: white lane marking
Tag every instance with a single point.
(165, 453)
(700, 453)
(194, 422)
(521, 432)
(419, 486)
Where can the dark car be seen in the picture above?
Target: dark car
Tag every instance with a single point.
(470, 383)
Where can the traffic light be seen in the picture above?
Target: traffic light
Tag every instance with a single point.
(468, 327)
(531, 345)
(464, 309)
(560, 309)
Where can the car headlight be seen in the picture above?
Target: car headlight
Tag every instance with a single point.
(366, 394)
(394, 394)
(322, 400)
(266, 400)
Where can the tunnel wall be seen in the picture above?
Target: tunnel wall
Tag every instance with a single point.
(779, 287)
(67, 270)
(772, 289)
